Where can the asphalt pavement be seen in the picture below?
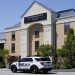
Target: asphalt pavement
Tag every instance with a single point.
(53, 72)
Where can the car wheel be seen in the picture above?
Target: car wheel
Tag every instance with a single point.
(13, 68)
(34, 69)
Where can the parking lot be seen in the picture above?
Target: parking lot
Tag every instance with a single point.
(53, 72)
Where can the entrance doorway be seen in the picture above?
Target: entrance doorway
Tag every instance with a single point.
(36, 38)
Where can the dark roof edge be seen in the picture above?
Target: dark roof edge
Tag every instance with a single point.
(39, 4)
(2, 32)
(65, 10)
(16, 25)
(64, 17)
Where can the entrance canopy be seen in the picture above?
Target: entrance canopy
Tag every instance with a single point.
(2, 38)
(2, 41)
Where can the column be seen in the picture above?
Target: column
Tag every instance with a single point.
(47, 34)
(24, 43)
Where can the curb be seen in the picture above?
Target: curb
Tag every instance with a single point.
(4, 69)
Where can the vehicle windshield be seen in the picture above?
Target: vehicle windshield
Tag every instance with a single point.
(42, 59)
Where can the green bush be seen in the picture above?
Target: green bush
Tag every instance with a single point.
(44, 50)
(3, 56)
(56, 66)
(73, 64)
(68, 65)
(2, 65)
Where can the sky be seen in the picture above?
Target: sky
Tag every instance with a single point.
(11, 10)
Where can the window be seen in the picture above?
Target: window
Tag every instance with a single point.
(26, 60)
(29, 60)
(36, 45)
(42, 59)
(66, 27)
(13, 48)
(13, 35)
(37, 34)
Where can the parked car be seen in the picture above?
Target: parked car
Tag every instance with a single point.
(34, 64)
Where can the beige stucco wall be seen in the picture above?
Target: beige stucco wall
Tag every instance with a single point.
(72, 25)
(60, 35)
(32, 38)
(9, 43)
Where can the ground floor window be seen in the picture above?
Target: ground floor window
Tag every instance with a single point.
(1, 45)
(36, 45)
(13, 48)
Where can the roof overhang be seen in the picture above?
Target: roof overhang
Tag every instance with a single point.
(2, 41)
(65, 19)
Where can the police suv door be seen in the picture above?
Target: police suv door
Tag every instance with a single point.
(25, 63)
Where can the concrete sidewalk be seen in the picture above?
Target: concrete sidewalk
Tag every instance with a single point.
(4, 69)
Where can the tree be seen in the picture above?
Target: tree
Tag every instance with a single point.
(44, 50)
(69, 46)
(3, 56)
(60, 53)
(3, 53)
(66, 55)
(62, 60)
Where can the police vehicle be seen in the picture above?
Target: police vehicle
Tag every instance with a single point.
(33, 64)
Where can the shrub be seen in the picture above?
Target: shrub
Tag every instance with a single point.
(2, 64)
(44, 50)
(73, 64)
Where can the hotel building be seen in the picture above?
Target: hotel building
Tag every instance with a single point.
(39, 25)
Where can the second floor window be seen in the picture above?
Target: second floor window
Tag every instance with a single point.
(66, 27)
(13, 36)
(37, 34)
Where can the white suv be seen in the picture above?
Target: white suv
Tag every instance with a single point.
(34, 64)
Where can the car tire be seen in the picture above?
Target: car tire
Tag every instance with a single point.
(34, 69)
(13, 68)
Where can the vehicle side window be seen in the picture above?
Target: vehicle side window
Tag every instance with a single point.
(22, 60)
(29, 60)
(26, 60)
(37, 59)
(42, 59)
